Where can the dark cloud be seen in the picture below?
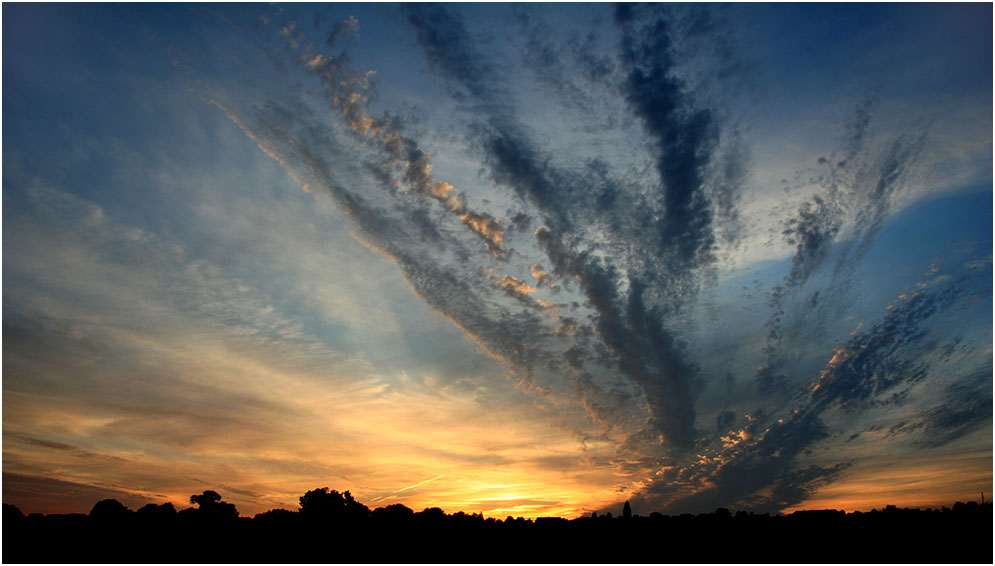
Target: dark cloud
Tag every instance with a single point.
(873, 363)
(624, 258)
(759, 466)
(595, 65)
(459, 293)
(39, 494)
(877, 184)
(853, 178)
(837, 226)
(633, 294)
(966, 406)
(62, 447)
(685, 135)
(37, 338)
(724, 421)
(812, 233)
(348, 26)
(251, 495)
(549, 59)
(731, 169)
(514, 162)
(512, 158)
(448, 47)
(761, 475)
(856, 131)
(540, 52)
(640, 347)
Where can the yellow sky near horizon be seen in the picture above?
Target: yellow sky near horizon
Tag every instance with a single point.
(421, 442)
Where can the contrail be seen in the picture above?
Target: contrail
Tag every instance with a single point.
(403, 489)
(419, 484)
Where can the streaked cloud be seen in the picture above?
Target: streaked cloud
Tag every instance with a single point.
(610, 258)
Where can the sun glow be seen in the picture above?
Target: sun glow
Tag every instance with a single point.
(907, 482)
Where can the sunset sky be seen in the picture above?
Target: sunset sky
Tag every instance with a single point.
(524, 260)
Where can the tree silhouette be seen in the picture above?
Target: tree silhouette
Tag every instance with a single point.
(206, 498)
(433, 514)
(325, 504)
(114, 534)
(394, 512)
(109, 509)
(321, 503)
(11, 513)
(154, 512)
(276, 515)
(211, 506)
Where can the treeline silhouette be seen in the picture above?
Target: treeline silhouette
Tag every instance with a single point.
(332, 527)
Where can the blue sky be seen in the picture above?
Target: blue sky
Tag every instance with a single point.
(530, 260)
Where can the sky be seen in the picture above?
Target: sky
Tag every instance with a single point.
(528, 260)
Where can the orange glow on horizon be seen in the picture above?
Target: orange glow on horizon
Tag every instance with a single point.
(419, 441)
(932, 483)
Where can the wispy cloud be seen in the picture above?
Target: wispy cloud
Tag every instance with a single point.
(761, 466)
(632, 303)
(564, 305)
(630, 297)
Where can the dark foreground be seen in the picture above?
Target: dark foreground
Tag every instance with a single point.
(962, 534)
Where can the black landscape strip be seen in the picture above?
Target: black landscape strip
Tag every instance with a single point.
(330, 527)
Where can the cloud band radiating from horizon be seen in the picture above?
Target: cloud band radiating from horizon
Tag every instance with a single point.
(581, 197)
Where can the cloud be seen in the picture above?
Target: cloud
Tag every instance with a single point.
(966, 407)
(838, 226)
(813, 232)
(641, 348)
(554, 66)
(625, 294)
(74, 450)
(350, 24)
(34, 494)
(442, 35)
(177, 355)
(763, 465)
(761, 475)
(515, 286)
(541, 277)
(570, 211)
(876, 361)
(405, 154)
(685, 136)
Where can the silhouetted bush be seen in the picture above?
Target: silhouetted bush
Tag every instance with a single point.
(159, 513)
(393, 512)
(211, 507)
(11, 514)
(326, 505)
(276, 515)
(109, 510)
